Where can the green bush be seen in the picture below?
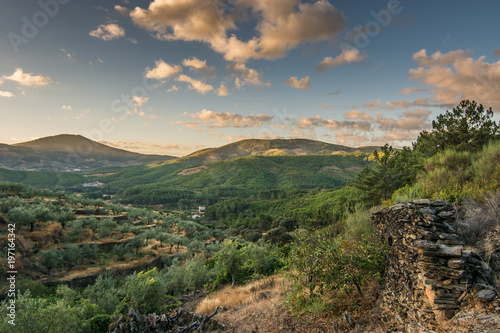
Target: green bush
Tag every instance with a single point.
(323, 263)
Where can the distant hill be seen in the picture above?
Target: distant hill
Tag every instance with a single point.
(270, 147)
(242, 168)
(68, 152)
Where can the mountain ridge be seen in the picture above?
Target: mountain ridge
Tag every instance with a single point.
(68, 152)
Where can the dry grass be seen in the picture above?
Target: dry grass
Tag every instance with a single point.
(252, 294)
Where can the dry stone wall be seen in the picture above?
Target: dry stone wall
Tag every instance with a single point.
(429, 272)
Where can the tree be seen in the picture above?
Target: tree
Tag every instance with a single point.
(64, 217)
(228, 260)
(328, 262)
(22, 216)
(50, 259)
(468, 126)
(378, 183)
(197, 274)
(145, 291)
(137, 243)
(70, 255)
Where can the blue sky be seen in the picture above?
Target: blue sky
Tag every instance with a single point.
(174, 76)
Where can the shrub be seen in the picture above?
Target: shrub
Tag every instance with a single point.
(446, 174)
(323, 263)
(477, 218)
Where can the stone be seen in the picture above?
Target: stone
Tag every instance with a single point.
(486, 295)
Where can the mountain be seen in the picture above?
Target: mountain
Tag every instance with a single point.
(242, 168)
(270, 147)
(67, 152)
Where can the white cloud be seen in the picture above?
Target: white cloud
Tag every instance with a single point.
(67, 54)
(245, 75)
(412, 120)
(28, 79)
(139, 101)
(357, 114)
(281, 25)
(406, 91)
(373, 104)
(162, 70)
(222, 90)
(122, 10)
(303, 83)
(174, 88)
(318, 121)
(455, 76)
(6, 94)
(215, 120)
(199, 66)
(108, 31)
(66, 107)
(348, 55)
(194, 84)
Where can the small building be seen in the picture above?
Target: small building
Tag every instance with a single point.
(201, 209)
(196, 216)
(93, 184)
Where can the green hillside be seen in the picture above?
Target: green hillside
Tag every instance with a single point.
(242, 176)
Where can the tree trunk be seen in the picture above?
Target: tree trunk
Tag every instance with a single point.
(32, 226)
(358, 288)
(232, 278)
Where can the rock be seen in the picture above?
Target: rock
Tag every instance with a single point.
(428, 274)
(486, 295)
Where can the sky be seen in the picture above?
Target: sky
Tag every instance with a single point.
(175, 76)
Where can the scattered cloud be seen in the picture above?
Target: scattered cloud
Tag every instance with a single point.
(347, 56)
(357, 114)
(412, 120)
(245, 75)
(407, 91)
(222, 90)
(497, 53)
(139, 101)
(66, 107)
(303, 83)
(147, 146)
(174, 88)
(325, 106)
(6, 94)
(194, 84)
(318, 121)
(28, 79)
(372, 105)
(455, 76)
(281, 25)
(67, 54)
(214, 120)
(140, 112)
(122, 10)
(162, 70)
(108, 31)
(199, 66)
